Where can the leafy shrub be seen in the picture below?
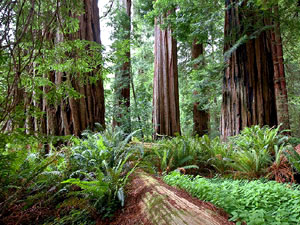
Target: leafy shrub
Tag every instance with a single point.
(87, 177)
(26, 173)
(179, 152)
(250, 154)
(255, 202)
(293, 157)
(258, 138)
(100, 165)
(256, 152)
(294, 141)
(281, 169)
(217, 154)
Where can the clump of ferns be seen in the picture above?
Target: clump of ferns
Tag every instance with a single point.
(281, 169)
(101, 167)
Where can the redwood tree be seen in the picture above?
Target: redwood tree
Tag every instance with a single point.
(166, 120)
(248, 84)
(73, 115)
(200, 117)
(279, 73)
(89, 109)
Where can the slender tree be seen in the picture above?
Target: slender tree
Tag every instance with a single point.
(248, 84)
(166, 118)
(123, 76)
(200, 117)
(125, 92)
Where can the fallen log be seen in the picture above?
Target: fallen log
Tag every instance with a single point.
(152, 202)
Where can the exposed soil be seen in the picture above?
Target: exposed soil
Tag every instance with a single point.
(134, 212)
(131, 213)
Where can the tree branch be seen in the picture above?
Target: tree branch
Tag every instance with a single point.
(109, 10)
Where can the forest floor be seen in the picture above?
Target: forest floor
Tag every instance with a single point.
(151, 201)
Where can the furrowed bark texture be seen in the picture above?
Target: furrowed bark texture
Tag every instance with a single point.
(279, 74)
(248, 84)
(200, 117)
(89, 109)
(72, 116)
(166, 119)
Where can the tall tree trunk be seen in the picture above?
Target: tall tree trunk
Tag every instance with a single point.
(279, 74)
(200, 117)
(126, 68)
(90, 108)
(166, 120)
(248, 84)
(72, 116)
(123, 76)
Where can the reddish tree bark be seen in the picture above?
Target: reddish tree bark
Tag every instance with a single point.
(166, 118)
(89, 109)
(248, 84)
(200, 117)
(279, 74)
(72, 116)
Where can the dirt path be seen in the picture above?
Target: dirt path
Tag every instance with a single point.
(152, 202)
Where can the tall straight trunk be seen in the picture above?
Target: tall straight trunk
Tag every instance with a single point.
(89, 109)
(200, 117)
(123, 76)
(279, 74)
(72, 116)
(166, 120)
(125, 92)
(248, 84)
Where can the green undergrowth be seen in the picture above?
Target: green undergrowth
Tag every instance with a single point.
(255, 153)
(254, 202)
(65, 179)
(75, 183)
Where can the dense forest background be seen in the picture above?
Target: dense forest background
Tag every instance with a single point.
(222, 78)
(47, 58)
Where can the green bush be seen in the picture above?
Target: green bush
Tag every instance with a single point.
(30, 179)
(89, 176)
(293, 157)
(178, 152)
(100, 165)
(294, 141)
(216, 154)
(255, 202)
(248, 154)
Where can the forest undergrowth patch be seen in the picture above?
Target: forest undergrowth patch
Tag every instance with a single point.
(254, 202)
